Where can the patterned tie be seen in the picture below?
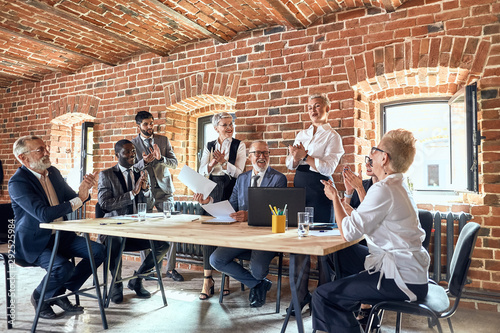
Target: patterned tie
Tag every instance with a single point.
(254, 180)
(149, 145)
(132, 208)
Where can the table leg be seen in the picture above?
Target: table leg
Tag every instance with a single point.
(46, 281)
(294, 286)
(158, 272)
(96, 283)
(118, 265)
(7, 289)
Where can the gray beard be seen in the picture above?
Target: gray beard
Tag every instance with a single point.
(40, 164)
(256, 167)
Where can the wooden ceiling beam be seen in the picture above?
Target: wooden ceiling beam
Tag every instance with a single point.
(91, 26)
(33, 63)
(53, 46)
(186, 21)
(285, 12)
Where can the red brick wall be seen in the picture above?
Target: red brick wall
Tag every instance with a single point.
(360, 58)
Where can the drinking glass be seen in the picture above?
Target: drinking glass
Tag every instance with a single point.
(141, 211)
(167, 209)
(286, 219)
(310, 213)
(303, 223)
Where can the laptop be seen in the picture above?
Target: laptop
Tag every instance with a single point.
(259, 199)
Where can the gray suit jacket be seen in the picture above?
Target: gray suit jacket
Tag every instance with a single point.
(113, 196)
(158, 169)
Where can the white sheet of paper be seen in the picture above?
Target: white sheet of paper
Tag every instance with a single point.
(196, 182)
(220, 210)
(323, 233)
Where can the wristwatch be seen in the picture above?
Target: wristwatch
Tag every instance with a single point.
(305, 157)
(224, 164)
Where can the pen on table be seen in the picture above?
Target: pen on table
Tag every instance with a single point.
(106, 223)
(284, 209)
(272, 211)
(196, 219)
(276, 210)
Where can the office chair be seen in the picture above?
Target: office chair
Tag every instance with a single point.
(436, 305)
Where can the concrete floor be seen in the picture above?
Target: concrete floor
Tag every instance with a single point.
(185, 313)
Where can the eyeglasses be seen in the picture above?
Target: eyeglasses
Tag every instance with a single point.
(258, 153)
(368, 161)
(40, 150)
(374, 149)
(226, 125)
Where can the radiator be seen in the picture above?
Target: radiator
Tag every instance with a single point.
(449, 234)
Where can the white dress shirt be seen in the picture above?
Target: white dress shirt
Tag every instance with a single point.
(126, 171)
(233, 170)
(325, 146)
(388, 217)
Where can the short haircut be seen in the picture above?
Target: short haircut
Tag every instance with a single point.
(400, 145)
(119, 145)
(19, 146)
(257, 142)
(141, 115)
(322, 96)
(218, 116)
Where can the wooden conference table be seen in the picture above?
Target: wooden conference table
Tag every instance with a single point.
(189, 229)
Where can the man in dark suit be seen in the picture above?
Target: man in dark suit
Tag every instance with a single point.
(39, 194)
(262, 175)
(119, 191)
(155, 154)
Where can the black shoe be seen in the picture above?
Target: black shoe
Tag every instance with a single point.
(67, 306)
(176, 276)
(260, 293)
(305, 301)
(46, 312)
(136, 285)
(362, 317)
(117, 295)
(251, 295)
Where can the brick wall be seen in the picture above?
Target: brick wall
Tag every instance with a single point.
(360, 58)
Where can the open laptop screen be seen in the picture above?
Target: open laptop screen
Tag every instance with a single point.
(259, 199)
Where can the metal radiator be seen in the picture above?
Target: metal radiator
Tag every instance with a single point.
(449, 234)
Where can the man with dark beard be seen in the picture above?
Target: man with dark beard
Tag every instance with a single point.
(156, 155)
(262, 175)
(39, 194)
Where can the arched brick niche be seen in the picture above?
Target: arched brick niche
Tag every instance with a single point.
(188, 99)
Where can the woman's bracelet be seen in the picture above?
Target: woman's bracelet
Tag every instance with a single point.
(348, 195)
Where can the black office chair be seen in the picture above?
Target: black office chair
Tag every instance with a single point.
(280, 274)
(427, 222)
(437, 304)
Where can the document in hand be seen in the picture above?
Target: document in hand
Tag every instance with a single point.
(220, 211)
(196, 182)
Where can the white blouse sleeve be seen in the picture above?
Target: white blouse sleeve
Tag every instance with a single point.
(205, 159)
(234, 170)
(327, 164)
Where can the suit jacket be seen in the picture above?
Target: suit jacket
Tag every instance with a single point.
(113, 196)
(158, 169)
(239, 197)
(31, 207)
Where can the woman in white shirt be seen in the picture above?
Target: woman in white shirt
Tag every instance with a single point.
(395, 262)
(223, 160)
(314, 156)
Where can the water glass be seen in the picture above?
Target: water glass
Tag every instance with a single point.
(286, 219)
(310, 213)
(303, 223)
(141, 211)
(167, 209)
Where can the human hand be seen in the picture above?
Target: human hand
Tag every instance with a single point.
(156, 152)
(240, 216)
(148, 158)
(330, 190)
(89, 181)
(297, 151)
(219, 156)
(139, 184)
(355, 181)
(199, 197)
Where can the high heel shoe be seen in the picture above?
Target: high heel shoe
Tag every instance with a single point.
(305, 301)
(204, 296)
(226, 290)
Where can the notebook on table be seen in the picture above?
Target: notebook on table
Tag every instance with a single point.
(259, 199)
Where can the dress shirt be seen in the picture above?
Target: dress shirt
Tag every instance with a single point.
(388, 217)
(125, 173)
(76, 202)
(233, 170)
(261, 176)
(325, 146)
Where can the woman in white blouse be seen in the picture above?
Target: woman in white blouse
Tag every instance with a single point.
(394, 265)
(314, 156)
(223, 160)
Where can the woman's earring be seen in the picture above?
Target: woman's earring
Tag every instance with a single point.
(384, 169)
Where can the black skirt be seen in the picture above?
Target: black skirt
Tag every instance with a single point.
(315, 194)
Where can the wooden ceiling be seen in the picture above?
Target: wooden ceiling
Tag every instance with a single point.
(40, 37)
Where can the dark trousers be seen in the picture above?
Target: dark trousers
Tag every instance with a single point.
(334, 303)
(64, 276)
(132, 244)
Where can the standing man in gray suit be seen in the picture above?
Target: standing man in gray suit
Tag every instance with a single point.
(155, 154)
